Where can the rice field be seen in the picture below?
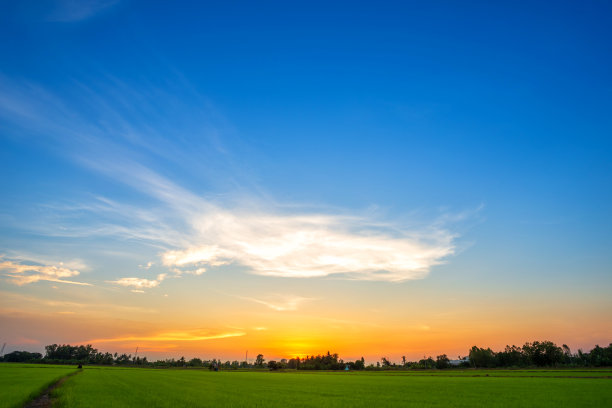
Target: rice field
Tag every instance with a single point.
(103, 387)
(134, 387)
(21, 382)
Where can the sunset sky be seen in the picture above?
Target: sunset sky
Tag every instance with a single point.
(288, 178)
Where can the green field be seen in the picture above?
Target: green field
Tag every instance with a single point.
(134, 387)
(104, 387)
(21, 382)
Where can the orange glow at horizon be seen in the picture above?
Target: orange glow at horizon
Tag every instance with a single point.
(222, 326)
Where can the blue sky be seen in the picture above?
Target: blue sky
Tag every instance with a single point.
(476, 135)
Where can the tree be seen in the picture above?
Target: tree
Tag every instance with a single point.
(360, 364)
(567, 354)
(481, 357)
(273, 365)
(123, 359)
(294, 363)
(545, 353)
(598, 357)
(259, 361)
(425, 363)
(195, 362)
(510, 357)
(20, 357)
(442, 361)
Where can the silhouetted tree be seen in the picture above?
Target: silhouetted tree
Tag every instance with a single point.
(481, 357)
(259, 361)
(544, 353)
(442, 361)
(21, 357)
(195, 362)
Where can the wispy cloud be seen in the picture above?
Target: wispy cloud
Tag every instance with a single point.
(272, 240)
(195, 233)
(281, 304)
(40, 304)
(192, 335)
(77, 10)
(312, 245)
(21, 274)
(140, 283)
(179, 272)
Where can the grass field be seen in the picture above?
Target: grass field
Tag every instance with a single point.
(130, 387)
(133, 387)
(21, 382)
(562, 373)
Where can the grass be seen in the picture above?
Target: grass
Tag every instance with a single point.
(20, 383)
(564, 373)
(128, 387)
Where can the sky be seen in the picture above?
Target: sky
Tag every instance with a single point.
(377, 179)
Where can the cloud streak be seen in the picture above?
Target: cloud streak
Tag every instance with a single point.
(195, 233)
(22, 274)
(286, 303)
(139, 283)
(170, 336)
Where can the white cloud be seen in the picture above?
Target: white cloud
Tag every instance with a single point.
(195, 233)
(179, 272)
(311, 245)
(136, 282)
(271, 241)
(21, 274)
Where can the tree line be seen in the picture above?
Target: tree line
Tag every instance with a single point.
(537, 353)
(540, 354)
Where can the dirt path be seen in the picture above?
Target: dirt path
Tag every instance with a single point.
(44, 400)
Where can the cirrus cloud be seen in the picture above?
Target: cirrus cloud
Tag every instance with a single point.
(312, 245)
(195, 233)
(21, 274)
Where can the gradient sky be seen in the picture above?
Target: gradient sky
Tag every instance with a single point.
(382, 179)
